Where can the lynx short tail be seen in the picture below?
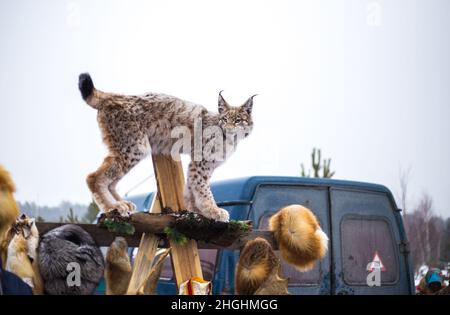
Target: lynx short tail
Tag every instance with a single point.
(85, 85)
(92, 96)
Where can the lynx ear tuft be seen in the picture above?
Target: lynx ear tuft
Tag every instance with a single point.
(248, 105)
(223, 105)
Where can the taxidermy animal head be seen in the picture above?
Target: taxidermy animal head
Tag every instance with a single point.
(26, 226)
(22, 252)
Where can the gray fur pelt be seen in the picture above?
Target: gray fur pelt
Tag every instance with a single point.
(62, 246)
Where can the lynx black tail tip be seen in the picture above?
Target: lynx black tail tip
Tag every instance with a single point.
(85, 85)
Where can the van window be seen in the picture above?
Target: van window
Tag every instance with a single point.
(362, 239)
(297, 278)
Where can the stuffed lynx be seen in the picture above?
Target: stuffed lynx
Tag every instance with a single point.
(132, 126)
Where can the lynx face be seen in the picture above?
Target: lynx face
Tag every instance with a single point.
(235, 120)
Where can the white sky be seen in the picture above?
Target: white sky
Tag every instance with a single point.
(366, 81)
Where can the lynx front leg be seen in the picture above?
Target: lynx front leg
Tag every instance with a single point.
(99, 183)
(189, 200)
(201, 172)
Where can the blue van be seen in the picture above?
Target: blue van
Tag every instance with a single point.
(361, 219)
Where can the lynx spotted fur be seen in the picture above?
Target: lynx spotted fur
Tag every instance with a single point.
(133, 126)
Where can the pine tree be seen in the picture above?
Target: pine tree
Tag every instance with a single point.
(70, 218)
(316, 160)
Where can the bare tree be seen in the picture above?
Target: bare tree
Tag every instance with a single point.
(425, 230)
(425, 212)
(415, 237)
(445, 244)
(404, 175)
(437, 231)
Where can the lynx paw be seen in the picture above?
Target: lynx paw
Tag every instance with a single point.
(131, 206)
(125, 208)
(220, 214)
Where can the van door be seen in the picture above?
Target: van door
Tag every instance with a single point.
(366, 244)
(268, 199)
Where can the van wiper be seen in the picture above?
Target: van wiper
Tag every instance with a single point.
(234, 203)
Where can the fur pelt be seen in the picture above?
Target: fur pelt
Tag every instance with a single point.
(118, 267)
(256, 263)
(300, 238)
(8, 209)
(69, 244)
(23, 239)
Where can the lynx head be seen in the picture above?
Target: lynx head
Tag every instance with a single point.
(236, 119)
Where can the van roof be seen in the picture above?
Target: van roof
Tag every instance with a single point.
(243, 188)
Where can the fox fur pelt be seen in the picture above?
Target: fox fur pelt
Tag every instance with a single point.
(300, 238)
(256, 263)
(258, 270)
(23, 239)
(8, 209)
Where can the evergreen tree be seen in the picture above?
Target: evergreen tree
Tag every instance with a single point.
(316, 160)
(71, 217)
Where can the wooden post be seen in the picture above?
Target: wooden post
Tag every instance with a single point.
(143, 262)
(170, 180)
(144, 259)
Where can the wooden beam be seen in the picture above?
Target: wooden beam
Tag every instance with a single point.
(103, 237)
(170, 180)
(193, 225)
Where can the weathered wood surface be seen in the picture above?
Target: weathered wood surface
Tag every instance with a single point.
(170, 181)
(151, 283)
(104, 238)
(192, 225)
(147, 248)
(143, 264)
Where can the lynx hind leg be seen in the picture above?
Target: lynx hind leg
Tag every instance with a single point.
(111, 170)
(112, 189)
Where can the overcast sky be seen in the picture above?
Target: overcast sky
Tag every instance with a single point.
(366, 81)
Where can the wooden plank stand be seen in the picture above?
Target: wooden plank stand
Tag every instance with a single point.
(185, 258)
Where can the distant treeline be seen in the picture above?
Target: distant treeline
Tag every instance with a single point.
(428, 235)
(64, 212)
